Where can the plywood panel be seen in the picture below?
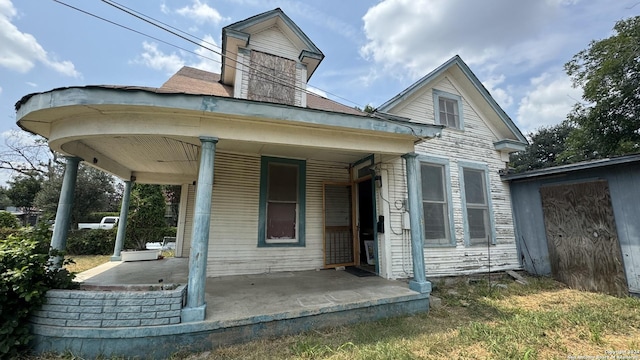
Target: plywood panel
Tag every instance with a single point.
(581, 234)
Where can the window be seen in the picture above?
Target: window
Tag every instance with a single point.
(436, 201)
(477, 207)
(282, 202)
(448, 109)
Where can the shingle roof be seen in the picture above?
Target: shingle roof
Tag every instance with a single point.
(195, 81)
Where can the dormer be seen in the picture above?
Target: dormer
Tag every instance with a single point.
(268, 58)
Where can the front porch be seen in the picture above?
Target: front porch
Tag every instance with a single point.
(239, 308)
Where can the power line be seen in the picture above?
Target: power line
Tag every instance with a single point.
(270, 77)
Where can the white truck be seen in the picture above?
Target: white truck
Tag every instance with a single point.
(107, 222)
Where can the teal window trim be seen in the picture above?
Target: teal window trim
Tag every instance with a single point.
(428, 159)
(262, 213)
(492, 227)
(437, 94)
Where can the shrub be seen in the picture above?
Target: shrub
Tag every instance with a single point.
(6, 232)
(25, 277)
(91, 242)
(8, 220)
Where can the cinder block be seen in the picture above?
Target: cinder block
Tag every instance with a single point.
(154, 322)
(174, 320)
(47, 321)
(435, 302)
(128, 302)
(170, 313)
(63, 301)
(98, 316)
(120, 323)
(64, 315)
(93, 302)
(139, 315)
(166, 300)
(155, 308)
(87, 294)
(176, 306)
(121, 309)
(60, 294)
(59, 308)
(90, 309)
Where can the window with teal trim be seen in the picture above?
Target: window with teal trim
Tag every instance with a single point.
(448, 109)
(477, 208)
(436, 202)
(282, 202)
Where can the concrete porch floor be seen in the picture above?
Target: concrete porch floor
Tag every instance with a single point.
(239, 309)
(241, 297)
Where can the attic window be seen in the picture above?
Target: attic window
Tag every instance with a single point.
(271, 78)
(448, 109)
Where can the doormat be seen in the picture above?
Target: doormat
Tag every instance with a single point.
(358, 272)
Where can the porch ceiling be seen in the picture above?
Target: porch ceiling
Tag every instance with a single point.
(154, 135)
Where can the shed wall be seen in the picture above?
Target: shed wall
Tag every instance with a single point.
(624, 188)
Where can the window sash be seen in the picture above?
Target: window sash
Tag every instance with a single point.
(477, 207)
(435, 206)
(449, 112)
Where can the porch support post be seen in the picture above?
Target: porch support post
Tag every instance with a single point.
(63, 214)
(419, 282)
(122, 221)
(196, 307)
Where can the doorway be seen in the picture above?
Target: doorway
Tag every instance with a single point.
(366, 225)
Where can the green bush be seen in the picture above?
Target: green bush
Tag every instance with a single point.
(6, 232)
(25, 277)
(91, 242)
(8, 220)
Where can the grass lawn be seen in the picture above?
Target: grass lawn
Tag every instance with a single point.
(86, 262)
(542, 320)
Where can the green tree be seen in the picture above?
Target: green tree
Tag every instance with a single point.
(92, 192)
(544, 150)
(608, 123)
(146, 216)
(4, 199)
(22, 192)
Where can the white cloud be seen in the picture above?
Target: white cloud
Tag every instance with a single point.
(156, 59)
(201, 12)
(412, 37)
(0, 89)
(209, 60)
(502, 97)
(21, 51)
(548, 103)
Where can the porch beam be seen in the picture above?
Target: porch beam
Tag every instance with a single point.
(416, 220)
(63, 213)
(122, 221)
(196, 307)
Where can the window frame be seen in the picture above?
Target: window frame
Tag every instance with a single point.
(462, 165)
(437, 94)
(443, 162)
(263, 202)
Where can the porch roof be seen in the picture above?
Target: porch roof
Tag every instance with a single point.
(153, 133)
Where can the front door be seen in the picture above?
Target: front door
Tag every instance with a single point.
(339, 242)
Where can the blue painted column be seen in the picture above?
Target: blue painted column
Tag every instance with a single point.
(419, 282)
(196, 307)
(63, 214)
(122, 221)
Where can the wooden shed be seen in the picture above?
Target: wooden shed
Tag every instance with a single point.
(580, 223)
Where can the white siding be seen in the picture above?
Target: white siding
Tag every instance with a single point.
(474, 143)
(233, 242)
(275, 42)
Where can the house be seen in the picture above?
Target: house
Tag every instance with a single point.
(276, 179)
(579, 223)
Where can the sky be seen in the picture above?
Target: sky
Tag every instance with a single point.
(373, 49)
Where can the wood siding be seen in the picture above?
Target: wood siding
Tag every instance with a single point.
(472, 144)
(273, 41)
(233, 237)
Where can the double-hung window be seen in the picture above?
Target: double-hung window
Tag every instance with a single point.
(282, 202)
(436, 203)
(479, 228)
(448, 109)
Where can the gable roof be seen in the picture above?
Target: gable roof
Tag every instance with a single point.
(456, 61)
(195, 81)
(238, 35)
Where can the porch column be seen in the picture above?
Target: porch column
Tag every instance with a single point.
(63, 214)
(419, 282)
(196, 307)
(122, 221)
